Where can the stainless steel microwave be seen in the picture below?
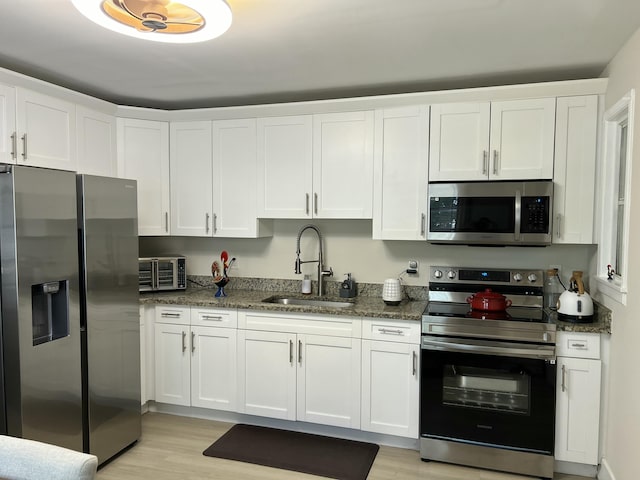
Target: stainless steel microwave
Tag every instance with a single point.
(162, 273)
(491, 213)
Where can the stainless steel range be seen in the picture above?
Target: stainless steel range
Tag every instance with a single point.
(488, 376)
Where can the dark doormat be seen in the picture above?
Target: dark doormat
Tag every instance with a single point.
(300, 452)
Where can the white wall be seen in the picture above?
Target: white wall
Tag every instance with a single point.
(348, 247)
(622, 435)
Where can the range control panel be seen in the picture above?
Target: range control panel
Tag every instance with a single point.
(486, 276)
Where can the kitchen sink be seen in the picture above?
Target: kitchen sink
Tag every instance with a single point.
(309, 302)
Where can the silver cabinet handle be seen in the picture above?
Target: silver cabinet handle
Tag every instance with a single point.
(184, 345)
(14, 146)
(217, 318)
(578, 345)
(495, 162)
(315, 203)
(291, 352)
(206, 222)
(193, 342)
(169, 315)
(306, 208)
(485, 161)
(414, 358)
(215, 223)
(166, 222)
(390, 331)
(24, 146)
(300, 352)
(423, 224)
(564, 375)
(558, 218)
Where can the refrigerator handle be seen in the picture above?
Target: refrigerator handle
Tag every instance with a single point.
(154, 274)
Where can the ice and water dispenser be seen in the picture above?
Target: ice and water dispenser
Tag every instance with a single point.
(50, 311)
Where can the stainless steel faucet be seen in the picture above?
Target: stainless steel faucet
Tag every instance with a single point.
(321, 271)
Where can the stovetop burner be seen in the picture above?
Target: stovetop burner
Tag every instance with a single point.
(460, 310)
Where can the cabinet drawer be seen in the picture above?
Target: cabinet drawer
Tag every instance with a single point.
(391, 331)
(212, 317)
(171, 314)
(578, 345)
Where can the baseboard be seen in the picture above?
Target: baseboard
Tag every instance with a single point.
(605, 472)
(573, 468)
(318, 429)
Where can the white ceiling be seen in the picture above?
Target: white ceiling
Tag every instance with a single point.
(290, 50)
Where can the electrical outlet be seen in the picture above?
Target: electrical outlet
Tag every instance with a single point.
(412, 269)
(558, 267)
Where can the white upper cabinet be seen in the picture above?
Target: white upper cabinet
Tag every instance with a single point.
(8, 134)
(191, 167)
(459, 142)
(316, 166)
(506, 140)
(143, 155)
(400, 173)
(46, 130)
(522, 136)
(285, 167)
(574, 169)
(96, 142)
(343, 165)
(234, 179)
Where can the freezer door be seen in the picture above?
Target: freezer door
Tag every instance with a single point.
(109, 241)
(40, 305)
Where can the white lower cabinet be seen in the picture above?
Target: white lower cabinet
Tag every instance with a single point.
(579, 371)
(391, 377)
(195, 364)
(294, 375)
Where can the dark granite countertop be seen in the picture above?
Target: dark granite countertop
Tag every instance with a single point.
(248, 293)
(363, 306)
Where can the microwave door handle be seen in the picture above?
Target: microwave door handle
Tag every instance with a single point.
(518, 212)
(154, 274)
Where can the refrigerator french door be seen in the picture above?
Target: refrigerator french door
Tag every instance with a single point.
(108, 233)
(40, 320)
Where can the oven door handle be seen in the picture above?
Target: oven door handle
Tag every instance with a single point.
(489, 348)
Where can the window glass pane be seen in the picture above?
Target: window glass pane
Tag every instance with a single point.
(622, 166)
(619, 237)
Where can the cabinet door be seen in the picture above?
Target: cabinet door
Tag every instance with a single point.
(191, 178)
(267, 374)
(234, 178)
(574, 169)
(96, 134)
(172, 364)
(390, 388)
(8, 134)
(400, 173)
(329, 380)
(522, 136)
(459, 142)
(578, 410)
(213, 368)
(143, 155)
(343, 165)
(46, 131)
(284, 167)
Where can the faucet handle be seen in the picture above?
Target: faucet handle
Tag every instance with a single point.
(327, 273)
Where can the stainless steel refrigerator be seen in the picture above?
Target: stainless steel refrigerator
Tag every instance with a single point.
(69, 336)
(109, 313)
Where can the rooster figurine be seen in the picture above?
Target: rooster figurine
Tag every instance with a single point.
(220, 277)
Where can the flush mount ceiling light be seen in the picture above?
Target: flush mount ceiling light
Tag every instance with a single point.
(187, 21)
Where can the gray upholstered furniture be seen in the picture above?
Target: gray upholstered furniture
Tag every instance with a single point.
(22, 459)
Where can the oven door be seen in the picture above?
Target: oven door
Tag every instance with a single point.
(166, 274)
(489, 393)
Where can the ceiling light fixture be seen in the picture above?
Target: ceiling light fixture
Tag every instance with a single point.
(188, 21)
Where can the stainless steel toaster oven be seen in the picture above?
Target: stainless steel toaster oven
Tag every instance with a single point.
(162, 273)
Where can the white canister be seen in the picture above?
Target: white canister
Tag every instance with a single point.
(391, 291)
(306, 285)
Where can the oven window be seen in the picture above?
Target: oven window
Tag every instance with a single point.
(472, 214)
(165, 273)
(486, 389)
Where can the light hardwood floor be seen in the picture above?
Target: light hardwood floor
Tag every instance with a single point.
(171, 448)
